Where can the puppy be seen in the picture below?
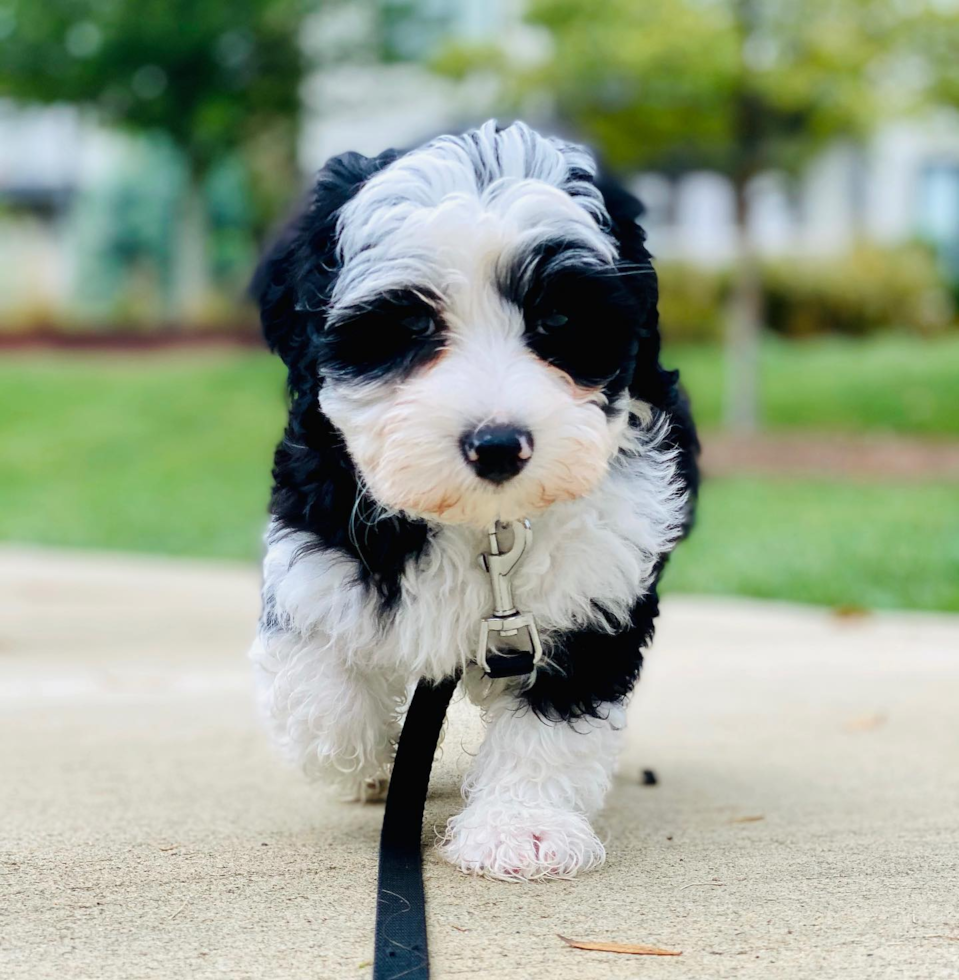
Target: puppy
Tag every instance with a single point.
(471, 335)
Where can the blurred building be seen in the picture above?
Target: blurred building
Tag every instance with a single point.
(88, 220)
(41, 168)
(901, 186)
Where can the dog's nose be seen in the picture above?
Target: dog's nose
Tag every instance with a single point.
(497, 452)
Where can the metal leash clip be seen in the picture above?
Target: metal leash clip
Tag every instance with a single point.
(507, 621)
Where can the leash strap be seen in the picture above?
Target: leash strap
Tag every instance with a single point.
(400, 946)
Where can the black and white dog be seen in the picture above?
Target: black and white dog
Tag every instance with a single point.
(471, 335)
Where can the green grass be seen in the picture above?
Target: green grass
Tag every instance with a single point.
(892, 382)
(171, 453)
(833, 543)
(149, 453)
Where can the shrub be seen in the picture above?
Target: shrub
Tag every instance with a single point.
(867, 290)
(691, 302)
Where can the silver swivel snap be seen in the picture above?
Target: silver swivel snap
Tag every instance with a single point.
(507, 621)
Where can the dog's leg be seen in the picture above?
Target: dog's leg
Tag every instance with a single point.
(338, 723)
(531, 792)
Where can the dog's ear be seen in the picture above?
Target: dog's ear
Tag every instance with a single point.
(650, 382)
(293, 281)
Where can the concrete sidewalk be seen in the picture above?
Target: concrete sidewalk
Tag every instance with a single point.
(806, 823)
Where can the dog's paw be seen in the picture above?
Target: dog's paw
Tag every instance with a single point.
(352, 789)
(373, 790)
(517, 843)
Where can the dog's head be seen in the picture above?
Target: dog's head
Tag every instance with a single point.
(474, 316)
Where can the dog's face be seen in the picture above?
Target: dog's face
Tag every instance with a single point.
(478, 335)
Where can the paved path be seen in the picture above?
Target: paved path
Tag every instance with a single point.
(806, 823)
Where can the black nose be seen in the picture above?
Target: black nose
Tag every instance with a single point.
(497, 452)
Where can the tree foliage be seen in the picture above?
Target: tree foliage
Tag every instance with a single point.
(735, 85)
(216, 75)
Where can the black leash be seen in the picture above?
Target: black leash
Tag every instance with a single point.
(400, 948)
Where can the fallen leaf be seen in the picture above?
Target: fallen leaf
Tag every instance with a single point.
(179, 910)
(636, 949)
(850, 610)
(750, 819)
(865, 723)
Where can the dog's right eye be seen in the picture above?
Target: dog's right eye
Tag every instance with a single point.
(388, 336)
(421, 324)
(582, 322)
(552, 322)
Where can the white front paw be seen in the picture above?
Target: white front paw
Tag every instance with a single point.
(511, 842)
(353, 789)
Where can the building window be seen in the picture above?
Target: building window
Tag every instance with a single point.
(938, 210)
(413, 29)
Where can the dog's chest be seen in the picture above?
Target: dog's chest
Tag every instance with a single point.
(589, 561)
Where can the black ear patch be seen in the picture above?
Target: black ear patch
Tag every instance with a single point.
(650, 381)
(315, 488)
(292, 283)
(637, 277)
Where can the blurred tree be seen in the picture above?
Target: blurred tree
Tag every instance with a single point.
(219, 77)
(735, 85)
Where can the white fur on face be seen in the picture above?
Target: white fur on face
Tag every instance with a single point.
(450, 218)
(439, 213)
(405, 437)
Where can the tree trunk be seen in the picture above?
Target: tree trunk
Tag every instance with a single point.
(191, 270)
(744, 320)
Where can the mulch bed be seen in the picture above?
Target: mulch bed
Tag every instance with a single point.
(122, 342)
(829, 455)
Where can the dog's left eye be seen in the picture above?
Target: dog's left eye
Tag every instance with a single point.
(422, 324)
(552, 322)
